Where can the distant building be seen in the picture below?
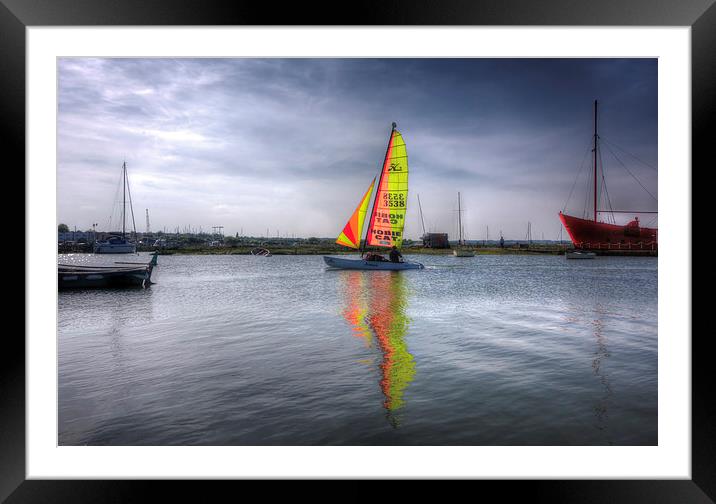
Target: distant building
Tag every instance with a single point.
(436, 240)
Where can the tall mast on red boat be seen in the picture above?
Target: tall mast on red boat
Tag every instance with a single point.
(595, 160)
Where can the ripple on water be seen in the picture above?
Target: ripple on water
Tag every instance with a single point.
(495, 350)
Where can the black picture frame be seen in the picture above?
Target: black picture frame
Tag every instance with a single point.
(700, 15)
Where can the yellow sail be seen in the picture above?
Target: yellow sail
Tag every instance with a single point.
(350, 236)
(386, 224)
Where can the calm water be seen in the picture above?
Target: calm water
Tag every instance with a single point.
(490, 350)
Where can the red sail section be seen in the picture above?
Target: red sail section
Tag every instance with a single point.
(350, 236)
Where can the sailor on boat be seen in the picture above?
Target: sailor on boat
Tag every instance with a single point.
(395, 255)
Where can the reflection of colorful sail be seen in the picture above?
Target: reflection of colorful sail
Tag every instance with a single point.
(387, 220)
(389, 322)
(356, 309)
(376, 303)
(351, 234)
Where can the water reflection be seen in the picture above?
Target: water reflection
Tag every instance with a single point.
(375, 307)
(356, 308)
(599, 311)
(601, 353)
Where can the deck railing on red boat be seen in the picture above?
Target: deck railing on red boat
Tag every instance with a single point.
(643, 245)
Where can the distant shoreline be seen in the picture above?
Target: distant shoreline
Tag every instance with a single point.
(330, 251)
(323, 250)
(408, 251)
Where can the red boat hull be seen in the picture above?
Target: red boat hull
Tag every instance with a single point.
(588, 234)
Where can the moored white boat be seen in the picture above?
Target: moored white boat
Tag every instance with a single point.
(579, 254)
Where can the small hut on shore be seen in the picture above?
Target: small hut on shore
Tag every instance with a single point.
(436, 240)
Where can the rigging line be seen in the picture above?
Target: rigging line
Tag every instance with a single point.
(586, 196)
(630, 173)
(114, 205)
(574, 184)
(606, 191)
(632, 155)
(131, 207)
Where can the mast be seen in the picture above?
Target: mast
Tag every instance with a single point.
(380, 181)
(529, 233)
(131, 207)
(595, 160)
(459, 220)
(124, 194)
(421, 215)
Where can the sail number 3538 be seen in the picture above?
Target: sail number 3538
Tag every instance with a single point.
(395, 200)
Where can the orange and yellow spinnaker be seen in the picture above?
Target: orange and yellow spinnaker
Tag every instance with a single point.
(351, 234)
(385, 227)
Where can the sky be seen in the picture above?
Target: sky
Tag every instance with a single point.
(289, 146)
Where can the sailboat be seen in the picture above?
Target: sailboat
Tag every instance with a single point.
(460, 250)
(387, 216)
(591, 234)
(120, 244)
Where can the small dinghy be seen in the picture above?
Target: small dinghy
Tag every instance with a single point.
(387, 217)
(262, 252)
(462, 252)
(579, 254)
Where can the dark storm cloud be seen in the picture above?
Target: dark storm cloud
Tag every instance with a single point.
(290, 144)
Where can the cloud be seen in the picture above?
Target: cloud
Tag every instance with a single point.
(291, 144)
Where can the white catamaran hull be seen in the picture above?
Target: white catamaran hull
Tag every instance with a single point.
(362, 264)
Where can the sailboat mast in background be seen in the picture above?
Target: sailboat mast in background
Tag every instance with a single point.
(460, 250)
(459, 219)
(421, 216)
(116, 244)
